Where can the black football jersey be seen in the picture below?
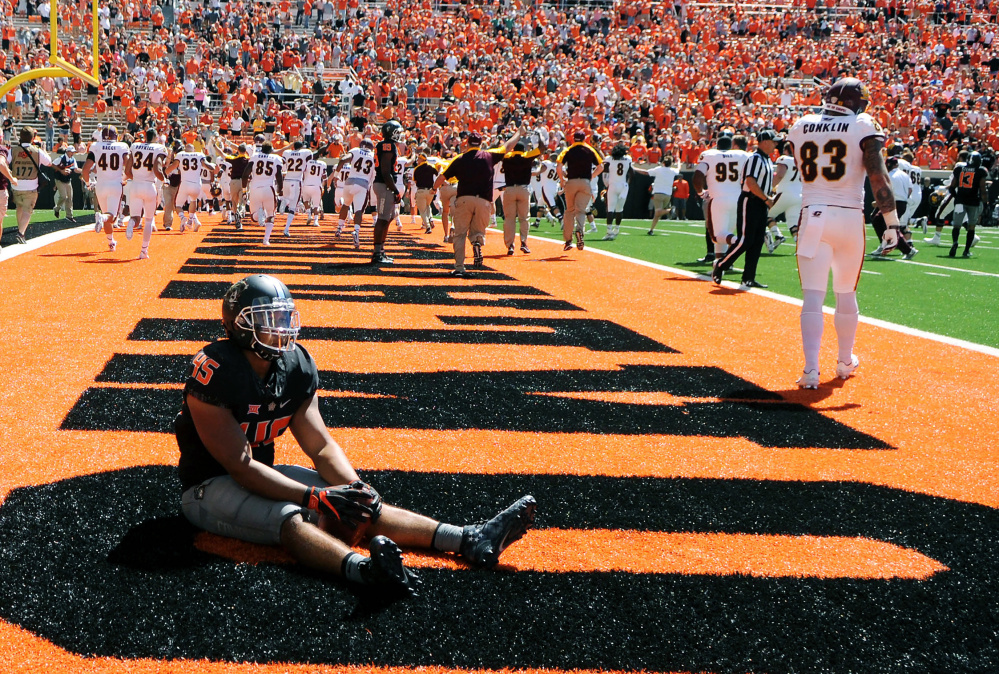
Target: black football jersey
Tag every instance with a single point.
(968, 184)
(222, 376)
(386, 155)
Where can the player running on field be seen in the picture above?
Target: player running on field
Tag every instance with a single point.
(106, 160)
(314, 182)
(359, 164)
(295, 160)
(189, 164)
(263, 177)
(144, 166)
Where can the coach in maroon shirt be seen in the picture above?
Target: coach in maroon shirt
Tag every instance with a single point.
(473, 206)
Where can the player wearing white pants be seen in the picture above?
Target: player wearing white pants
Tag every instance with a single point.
(107, 159)
(720, 172)
(144, 166)
(617, 171)
(312, 189)
(191, 166)
(263, 176)
(834, 151)
(359, 167)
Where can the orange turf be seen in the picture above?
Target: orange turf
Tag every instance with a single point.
(69, 306)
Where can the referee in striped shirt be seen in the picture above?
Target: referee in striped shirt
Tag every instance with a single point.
(751, 217)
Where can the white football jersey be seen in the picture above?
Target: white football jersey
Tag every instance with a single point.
(400, 172)
(915, 175)
(791, 182)
(901, 184)
(144, 157)
(109, 160)
(362, 165)
(827, 150)
(264, 169)
(722, 171)
(549, 173)
(617, 171)
(190, 166)
(294, 163)
(315, 173)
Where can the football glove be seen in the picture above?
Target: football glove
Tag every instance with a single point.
(890, 240)
(345, 503)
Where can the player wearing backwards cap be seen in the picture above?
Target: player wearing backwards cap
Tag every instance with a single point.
(577, 166)
(834, 150)
(232, 486)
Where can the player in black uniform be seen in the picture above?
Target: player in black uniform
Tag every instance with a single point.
(968, 185)
(244, 392)
(387, 195)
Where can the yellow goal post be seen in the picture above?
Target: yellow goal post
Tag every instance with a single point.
(58, 66)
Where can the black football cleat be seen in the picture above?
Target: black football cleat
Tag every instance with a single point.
(477, 255)
(953, 251)
(460, 273)
(716, 275)
(481, 544)
(509, 249)
(754, 284)
(707, 259)
(381, 258)
(385, 571)
(567, 246)
(524, 249)
(579, 240)
(20, 238)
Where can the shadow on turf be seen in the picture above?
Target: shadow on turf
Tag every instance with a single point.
(102, 565)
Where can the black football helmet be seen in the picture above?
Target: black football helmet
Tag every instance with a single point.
(392, 131)
(975, 159)
(259, 314)
(848, 96)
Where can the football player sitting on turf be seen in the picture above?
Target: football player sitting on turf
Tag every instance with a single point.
(245, 391)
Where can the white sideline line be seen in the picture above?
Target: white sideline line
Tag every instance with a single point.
(867, 271)
(15, 249)
(943, 339)
(933, 273)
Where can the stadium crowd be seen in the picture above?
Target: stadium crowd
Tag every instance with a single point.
(663, 77)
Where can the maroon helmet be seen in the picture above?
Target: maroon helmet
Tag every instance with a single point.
(848, 96)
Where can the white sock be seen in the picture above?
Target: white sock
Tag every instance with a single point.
(811, 327)
(339, 225)
(845, 319)
(287, 224)
(147, 233)
(775, 230)
(268, 228)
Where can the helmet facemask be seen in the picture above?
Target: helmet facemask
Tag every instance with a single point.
(268, 329)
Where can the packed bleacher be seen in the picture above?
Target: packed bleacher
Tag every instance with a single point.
(662, 76)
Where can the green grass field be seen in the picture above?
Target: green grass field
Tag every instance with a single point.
(955, 297)
(39, 216)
